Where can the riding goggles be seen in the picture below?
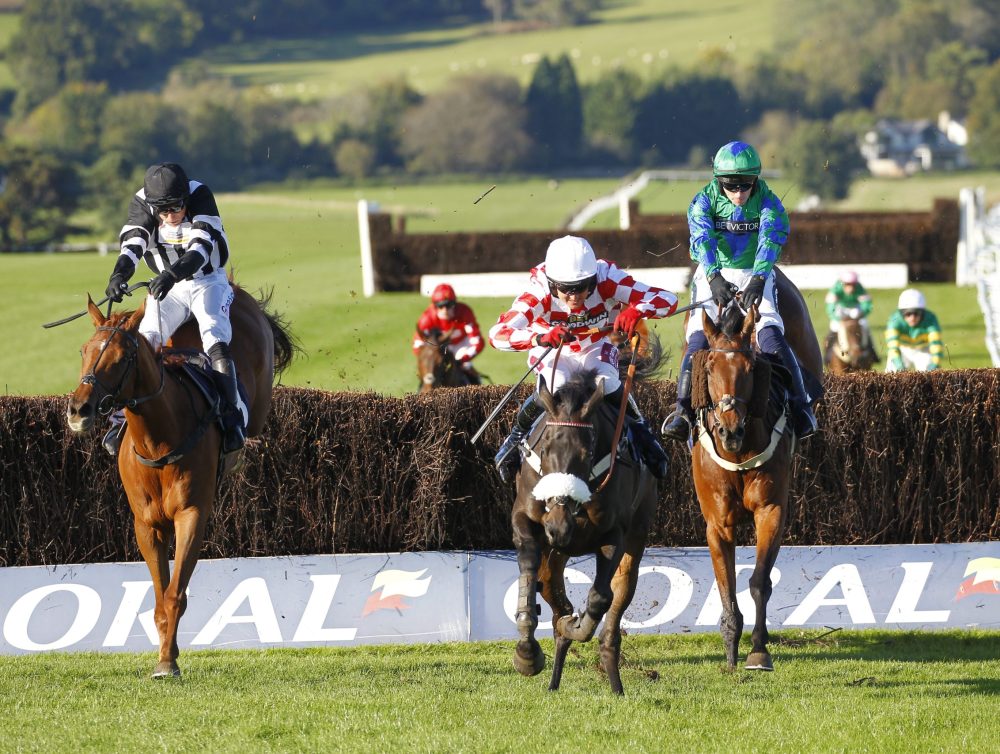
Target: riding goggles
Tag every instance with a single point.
(913, 312)
(168, 209)
(737, 184)
(444, 304)
(579, 286)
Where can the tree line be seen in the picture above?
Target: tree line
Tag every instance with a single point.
(113, 103)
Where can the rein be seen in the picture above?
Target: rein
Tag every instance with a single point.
(622, 409)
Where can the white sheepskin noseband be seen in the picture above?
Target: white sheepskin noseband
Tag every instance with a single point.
(558, 484)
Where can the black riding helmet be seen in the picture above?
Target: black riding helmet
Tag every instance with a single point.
(166, 185)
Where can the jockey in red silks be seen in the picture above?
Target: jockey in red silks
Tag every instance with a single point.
(572, 300)
(448, 316)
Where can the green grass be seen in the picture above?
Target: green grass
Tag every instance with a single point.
(643, 35)
(303, 242)
(873, 691)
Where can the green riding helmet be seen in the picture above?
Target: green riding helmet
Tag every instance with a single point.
(736, 158)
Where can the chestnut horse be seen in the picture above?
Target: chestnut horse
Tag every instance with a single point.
(170, 422)
(847, 349)
(562, 510)
(436, 365)
(741, 462)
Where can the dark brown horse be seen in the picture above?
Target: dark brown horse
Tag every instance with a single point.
(741, 462)
(562, 511)
(170, 423)
(848, 349)
(436, 365)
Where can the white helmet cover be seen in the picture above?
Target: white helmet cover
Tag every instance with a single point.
(912, 299)
(570, 259)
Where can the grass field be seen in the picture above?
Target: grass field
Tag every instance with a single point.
(643, 35)
(303, 242)
(872, 691)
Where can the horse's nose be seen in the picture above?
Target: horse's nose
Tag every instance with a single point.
(732, 439)
(559, 522)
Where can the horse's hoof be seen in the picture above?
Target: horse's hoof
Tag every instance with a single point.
(528, 658)
(166, 670)
(759, 661)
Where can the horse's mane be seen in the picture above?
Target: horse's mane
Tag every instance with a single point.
(575, 392)
(649, 362)
(731, 320)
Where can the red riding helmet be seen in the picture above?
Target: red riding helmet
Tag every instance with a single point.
(443, 293)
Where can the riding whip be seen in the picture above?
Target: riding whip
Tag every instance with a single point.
(507, 397)
(131, 288)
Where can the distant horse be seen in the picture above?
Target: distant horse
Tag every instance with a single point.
(170, 460)
(561, 510)
(848, 349)
(436, 365)
(741, 462)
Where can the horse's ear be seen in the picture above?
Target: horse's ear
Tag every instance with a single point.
(548, 402)
(709, 326)
(594, 400)
(750, 320)
(95, 313)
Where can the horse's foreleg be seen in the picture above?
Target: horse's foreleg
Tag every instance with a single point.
(623, 586)
(189, 530)
(769, 521)
(153, 546)
(722, 545)
(582, 627)
(553, 588)
(528, 656)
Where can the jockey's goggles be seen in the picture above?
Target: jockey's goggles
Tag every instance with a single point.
(736, 183)
(913, 312)
(168, 209)
(444, 304)
(569, 289)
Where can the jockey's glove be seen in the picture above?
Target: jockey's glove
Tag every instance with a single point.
(118, 283)
(160, 286)
(627, 320)
(554, 337)
(722, 290)
(753, 294)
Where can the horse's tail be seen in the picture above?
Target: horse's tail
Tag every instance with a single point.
(285, 344)
(649, 360)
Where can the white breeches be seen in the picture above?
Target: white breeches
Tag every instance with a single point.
(769, 316)
(207, 299)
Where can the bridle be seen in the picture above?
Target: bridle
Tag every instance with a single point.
(111, 400)
(727, 402)
(591, 446)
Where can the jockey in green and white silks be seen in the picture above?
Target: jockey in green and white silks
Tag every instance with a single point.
(738, 228)
(913, 335)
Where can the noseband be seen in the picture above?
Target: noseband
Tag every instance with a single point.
(111, 401)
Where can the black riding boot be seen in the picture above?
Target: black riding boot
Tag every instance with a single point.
(507, 459)
(113, 439)
(224, 374)
(648, 446)
(678, 425)
(803, 417)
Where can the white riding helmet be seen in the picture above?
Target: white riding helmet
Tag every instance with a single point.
(569, 260)
(911, 299)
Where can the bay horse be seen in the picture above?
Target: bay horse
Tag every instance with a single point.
(436, 365)
(848, 349)
(562, 509)
(170, 460)
(741, 461)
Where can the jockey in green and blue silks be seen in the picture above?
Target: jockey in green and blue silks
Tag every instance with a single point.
(738, 228)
